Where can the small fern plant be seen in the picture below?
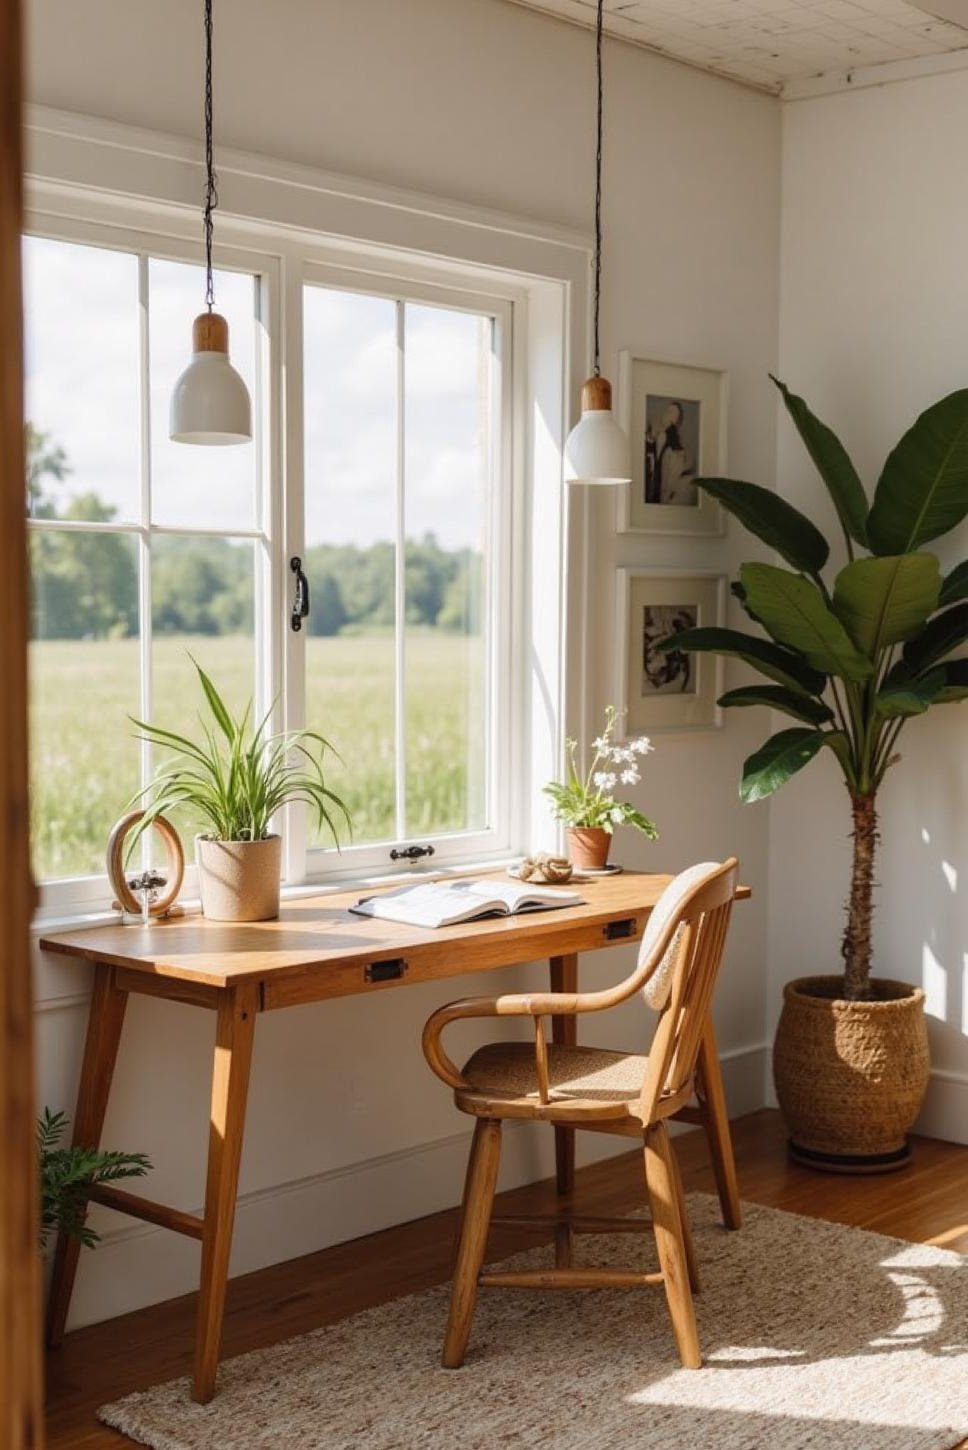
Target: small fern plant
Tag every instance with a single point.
(66, 1175)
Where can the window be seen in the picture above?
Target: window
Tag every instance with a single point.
(399, 499)
(403, 523)
(137, 555)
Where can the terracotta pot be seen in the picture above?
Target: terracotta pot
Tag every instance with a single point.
(588, 847)
(851, 1076)
(239, 880)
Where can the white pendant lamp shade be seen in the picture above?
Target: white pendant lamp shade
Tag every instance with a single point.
(597, 450)
(210, 402)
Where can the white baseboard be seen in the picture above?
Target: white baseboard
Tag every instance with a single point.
(136, 1264)
(945, 1111)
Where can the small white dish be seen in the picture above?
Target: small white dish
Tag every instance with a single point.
(577, 875)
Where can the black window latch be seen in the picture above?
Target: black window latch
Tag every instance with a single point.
(300, 603)
(411, 853)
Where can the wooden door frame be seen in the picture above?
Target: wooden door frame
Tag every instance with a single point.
(21, 1426)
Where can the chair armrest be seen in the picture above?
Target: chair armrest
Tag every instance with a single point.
(521, 1004)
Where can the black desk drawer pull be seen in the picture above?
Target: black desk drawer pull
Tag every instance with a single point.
(389, 971)
(618, 930)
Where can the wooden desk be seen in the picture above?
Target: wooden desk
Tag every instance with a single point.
(315, 950)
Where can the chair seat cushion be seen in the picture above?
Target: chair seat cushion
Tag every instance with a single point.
(591, 1073)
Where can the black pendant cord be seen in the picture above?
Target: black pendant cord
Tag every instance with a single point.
(598, 180)
(211, 180)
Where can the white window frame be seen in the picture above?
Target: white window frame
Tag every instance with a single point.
(504, 591)
(88, 893)
(88, 177)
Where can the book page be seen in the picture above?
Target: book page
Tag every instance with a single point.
(514, 894)
(433, 903)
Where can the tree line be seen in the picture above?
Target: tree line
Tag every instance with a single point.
(85, 584)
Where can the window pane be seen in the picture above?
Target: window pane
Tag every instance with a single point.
(82, 381)
(206, 487)
(448, 432)
(350, 463)
(202, 604)
(84, 683)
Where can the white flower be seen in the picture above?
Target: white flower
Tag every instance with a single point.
(616, 815)
(601, 744)
(630, 776)
(642, 746)
(622, 753)
(604, 779)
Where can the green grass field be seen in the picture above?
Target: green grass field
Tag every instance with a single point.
(85, 761)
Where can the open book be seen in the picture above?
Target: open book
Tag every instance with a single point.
(443, 903)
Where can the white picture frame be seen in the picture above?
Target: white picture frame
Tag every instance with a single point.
(659, 402)
(666, 693)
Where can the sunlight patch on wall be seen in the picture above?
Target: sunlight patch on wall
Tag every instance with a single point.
(934, 982)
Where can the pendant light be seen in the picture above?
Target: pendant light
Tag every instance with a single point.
(210, 402)
(597, 450)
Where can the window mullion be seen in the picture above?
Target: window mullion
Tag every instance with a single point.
(400, 583)
(144, 540)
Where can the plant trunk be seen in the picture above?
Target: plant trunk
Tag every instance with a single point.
(856, 948)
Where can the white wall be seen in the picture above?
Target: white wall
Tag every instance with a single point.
(874, 321)
(487, 103)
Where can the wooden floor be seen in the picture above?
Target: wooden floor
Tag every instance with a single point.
(927, 1203)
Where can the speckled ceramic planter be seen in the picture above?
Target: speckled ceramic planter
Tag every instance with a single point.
(239, 880)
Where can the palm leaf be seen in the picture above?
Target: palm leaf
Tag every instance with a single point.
(885, 600)
(955, 585)
(796, 615)
(923, 489)
(942, 634)
(775, 762)
(773, 520)
(832, 463)
(779, 664)
(775, 697)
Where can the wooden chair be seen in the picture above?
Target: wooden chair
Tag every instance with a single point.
(596, 1089)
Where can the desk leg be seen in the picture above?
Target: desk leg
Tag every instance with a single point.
(564, 1030)
(712, 1103)
(234, 1032)
(97, 1069)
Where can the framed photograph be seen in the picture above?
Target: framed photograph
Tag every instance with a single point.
(675, 417)
(674, 690)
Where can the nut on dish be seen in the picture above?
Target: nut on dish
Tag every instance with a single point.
(551, 869)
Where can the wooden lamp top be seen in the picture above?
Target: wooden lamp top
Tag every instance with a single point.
(210, 333)
(596, 395)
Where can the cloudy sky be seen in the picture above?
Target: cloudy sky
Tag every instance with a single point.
(82, 389)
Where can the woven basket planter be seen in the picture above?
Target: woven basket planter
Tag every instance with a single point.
(850, 1076)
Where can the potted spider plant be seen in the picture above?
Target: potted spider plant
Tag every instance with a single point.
(233, 780)
(853, 661)
(585, 802)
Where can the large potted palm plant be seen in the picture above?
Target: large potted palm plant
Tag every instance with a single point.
(853, 661)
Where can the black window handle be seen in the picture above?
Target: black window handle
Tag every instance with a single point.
(411, 853)
(300, 603)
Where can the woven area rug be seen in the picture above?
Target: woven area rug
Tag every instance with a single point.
(816, 1337)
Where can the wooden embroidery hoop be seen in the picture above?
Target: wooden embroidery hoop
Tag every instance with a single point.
(125, 899)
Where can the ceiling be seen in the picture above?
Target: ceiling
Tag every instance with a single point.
(773, 44)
